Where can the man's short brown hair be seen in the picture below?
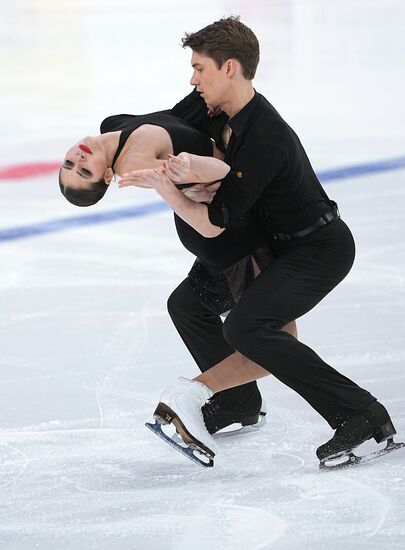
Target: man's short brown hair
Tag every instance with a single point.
(225, 39)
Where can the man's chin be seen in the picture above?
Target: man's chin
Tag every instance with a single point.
(206, 101)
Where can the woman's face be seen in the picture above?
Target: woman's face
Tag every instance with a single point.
(84, 163)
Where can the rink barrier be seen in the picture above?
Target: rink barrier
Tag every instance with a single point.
(28, 170)
(64, 224)
(357, 170)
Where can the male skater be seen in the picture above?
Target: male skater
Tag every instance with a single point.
(271, 179)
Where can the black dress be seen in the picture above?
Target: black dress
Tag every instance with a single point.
(223, 267)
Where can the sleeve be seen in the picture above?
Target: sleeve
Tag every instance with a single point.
(106, 125)
(255, 167)
(193, 110)
(113, 123)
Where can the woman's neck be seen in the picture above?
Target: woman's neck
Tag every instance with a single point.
(110, 141)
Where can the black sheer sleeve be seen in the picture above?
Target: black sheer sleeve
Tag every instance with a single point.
(193, 110)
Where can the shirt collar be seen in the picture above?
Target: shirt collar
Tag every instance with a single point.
(238, 122)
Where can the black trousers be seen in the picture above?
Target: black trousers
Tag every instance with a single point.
(303, 272)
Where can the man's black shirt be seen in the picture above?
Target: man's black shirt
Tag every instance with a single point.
(271, 177)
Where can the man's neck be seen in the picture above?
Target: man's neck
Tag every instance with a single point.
(237, 99)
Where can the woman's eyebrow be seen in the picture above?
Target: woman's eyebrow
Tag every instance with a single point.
(86, 177)
(77, 172)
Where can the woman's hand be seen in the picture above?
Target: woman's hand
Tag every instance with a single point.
(178, 168)
(149, 178)
(213, 111)
(158, 179)
(202, 192)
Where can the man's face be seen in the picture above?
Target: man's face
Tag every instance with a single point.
(212, 82)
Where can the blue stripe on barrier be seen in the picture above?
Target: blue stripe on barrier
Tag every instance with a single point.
(362, 169)
(63, 224)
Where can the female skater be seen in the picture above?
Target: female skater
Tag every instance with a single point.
(225, 265)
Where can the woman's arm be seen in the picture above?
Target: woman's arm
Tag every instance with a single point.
(193, 213)
(187, 167)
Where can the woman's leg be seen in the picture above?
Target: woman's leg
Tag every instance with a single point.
(210, 350)
(202, 333)
(236, 369)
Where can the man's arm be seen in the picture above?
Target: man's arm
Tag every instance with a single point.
(193, 213)
(256, 167)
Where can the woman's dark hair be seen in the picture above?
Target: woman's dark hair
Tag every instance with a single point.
(84, 197)
(225, 39)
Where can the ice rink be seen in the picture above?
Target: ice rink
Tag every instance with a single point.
(86, 342)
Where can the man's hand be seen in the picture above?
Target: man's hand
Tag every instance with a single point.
(202, 192)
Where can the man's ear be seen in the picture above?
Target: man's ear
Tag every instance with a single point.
(231, 66)
(108, 175)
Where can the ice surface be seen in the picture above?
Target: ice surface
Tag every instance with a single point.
(86, 343)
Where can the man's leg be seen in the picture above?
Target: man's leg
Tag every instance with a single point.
(288, 288)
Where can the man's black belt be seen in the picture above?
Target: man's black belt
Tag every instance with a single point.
(329, 216)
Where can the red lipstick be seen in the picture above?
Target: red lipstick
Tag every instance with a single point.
(85, 149)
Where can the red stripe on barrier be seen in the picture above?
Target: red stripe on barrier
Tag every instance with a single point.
(20, 171)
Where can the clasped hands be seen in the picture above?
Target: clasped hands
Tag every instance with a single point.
(175, 170)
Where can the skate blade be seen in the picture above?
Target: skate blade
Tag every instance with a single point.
(240, 429)
(189, 450)
(165, 415)
(350, 459)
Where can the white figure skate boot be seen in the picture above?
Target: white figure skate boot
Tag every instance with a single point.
(181, 404)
